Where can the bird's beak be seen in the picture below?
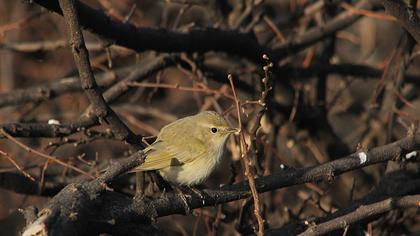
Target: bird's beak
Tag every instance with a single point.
(232, 130)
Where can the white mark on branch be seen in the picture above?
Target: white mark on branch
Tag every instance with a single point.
(410, 155)
(362, 157)
(53, 122)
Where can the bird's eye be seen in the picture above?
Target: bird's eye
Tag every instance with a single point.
(214, 130)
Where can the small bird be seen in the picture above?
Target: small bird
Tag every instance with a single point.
(187, 150)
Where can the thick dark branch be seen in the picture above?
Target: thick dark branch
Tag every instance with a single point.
(393, 185)
(362, 212)
(290, 177)
(68, 212)
(116, 208)
(161, 40)
(201, 40)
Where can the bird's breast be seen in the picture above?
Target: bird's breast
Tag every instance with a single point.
(195, 172)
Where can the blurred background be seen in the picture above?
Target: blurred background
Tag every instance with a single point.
(356, 89)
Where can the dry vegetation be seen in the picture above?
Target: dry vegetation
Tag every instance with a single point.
(325, 93)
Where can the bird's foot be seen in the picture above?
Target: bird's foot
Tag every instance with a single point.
(197, 192)
(194, 191)
(184, 199)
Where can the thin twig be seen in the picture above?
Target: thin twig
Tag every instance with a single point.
(51, 158)
(8, 157)
(363, 12)
(280, 37)
(248, 172)
(181, 88)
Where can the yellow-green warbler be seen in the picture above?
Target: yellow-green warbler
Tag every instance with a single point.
(186, 151)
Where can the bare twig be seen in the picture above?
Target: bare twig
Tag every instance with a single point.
(247, 164)
(14, 163)
(48, 157)
(181, 88)
(249, 150)
(367, 13)
(19, 24)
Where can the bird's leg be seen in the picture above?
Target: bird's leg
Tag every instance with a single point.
(162, 184)
(165, 186)
(177, 191)
(163, 194)
(140, 185)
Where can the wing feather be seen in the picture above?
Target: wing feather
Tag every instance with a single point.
(161, 154)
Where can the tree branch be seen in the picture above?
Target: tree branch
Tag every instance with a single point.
(88, 120)
(56, 88)
(363, 212)
(202, 40)
(393, 185)
(68, 212)
(108, 210)
(87, 80)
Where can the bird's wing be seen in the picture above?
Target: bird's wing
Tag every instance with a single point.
(161, 154)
